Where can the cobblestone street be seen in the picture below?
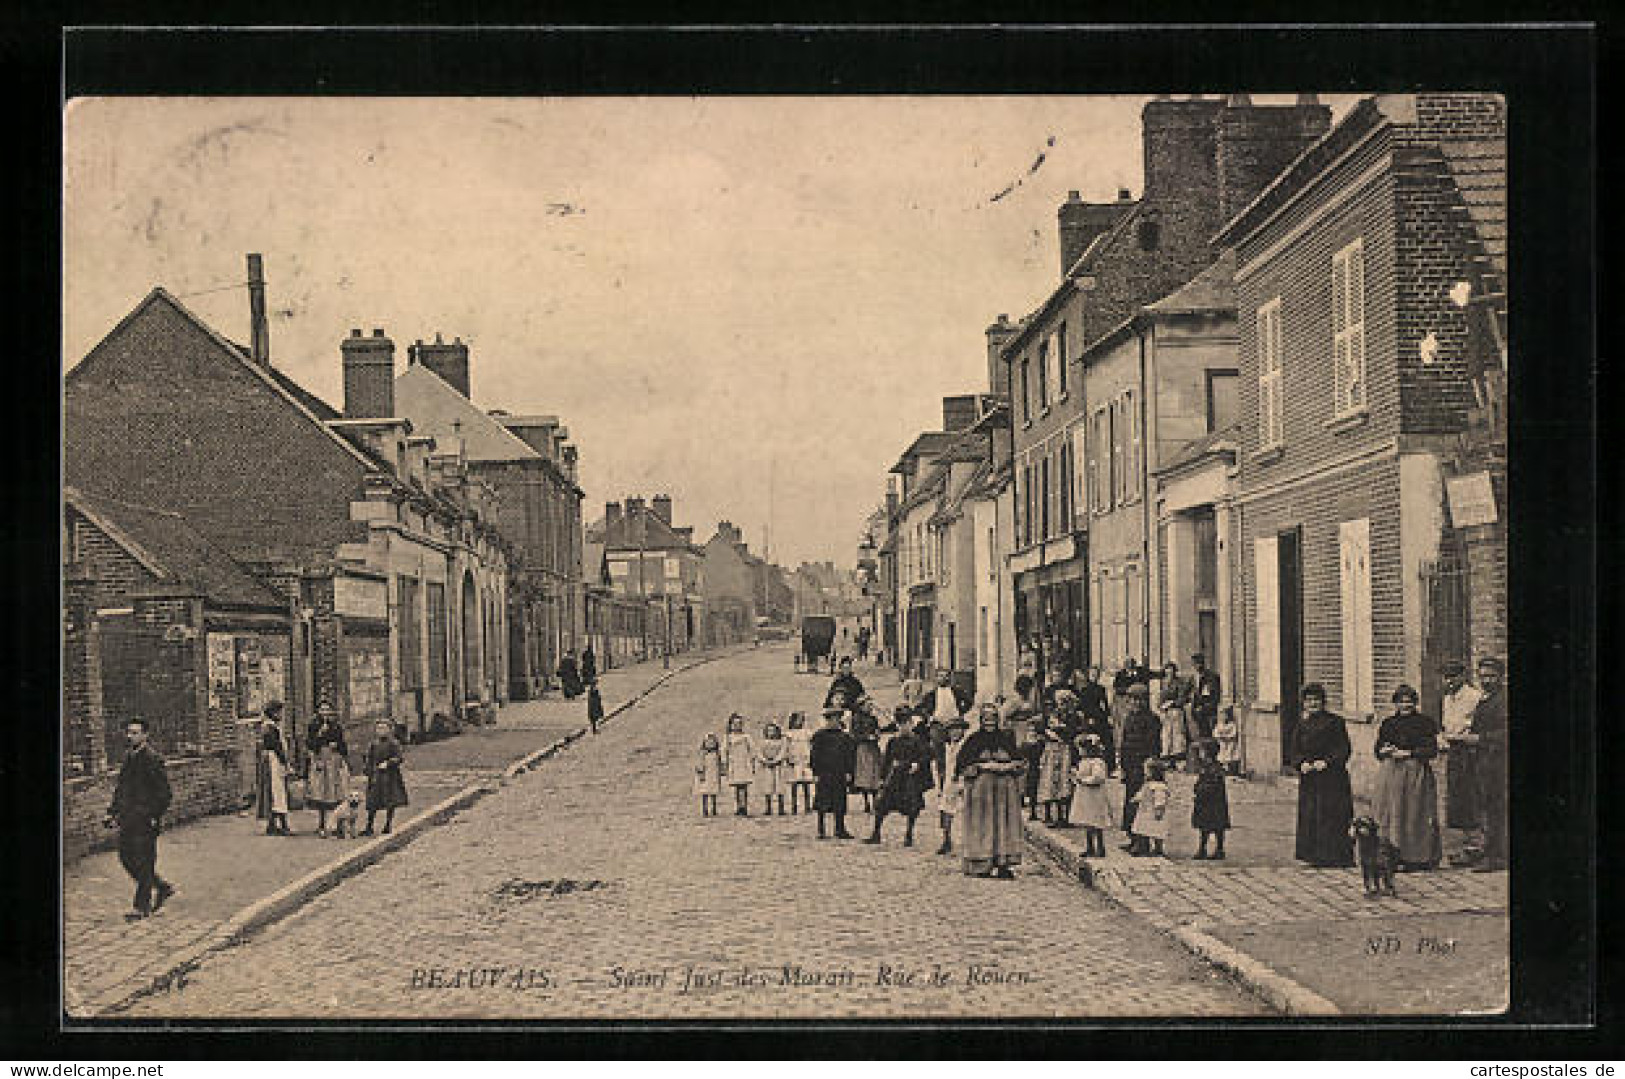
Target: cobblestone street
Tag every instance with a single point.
(592, 887)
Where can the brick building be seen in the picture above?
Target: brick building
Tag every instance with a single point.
(529, 462)
(730, 587)
(162, 625)
(392, 577)
(655, 563)
(1204, 159)
(1356, 272)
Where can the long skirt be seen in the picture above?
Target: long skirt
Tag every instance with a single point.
(1325, 809)
(1173, 731)
(386, 789)
(329, 778)
(271, 795)
(829, 794)
(1092, 806)
(1054, 773)
(1406, 808)
(866, 769)
(901, 793)
(991, 823)
(1462, 803)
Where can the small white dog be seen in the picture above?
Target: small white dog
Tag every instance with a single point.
(345, 816)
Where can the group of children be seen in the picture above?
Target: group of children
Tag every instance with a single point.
(1067, 778)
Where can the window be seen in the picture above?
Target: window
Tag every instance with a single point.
(1026, 396)
(1348, 329)
(1269, 375)
(1063, 488)
(1043, 527)
(1222, 405)
(1043, 374)
(1060, 360)
(1134, 466)
(1080, 467)
(1149, 232)
(1134, 612)
(437, 633)
(1100, 462)
(409, 623)
(1119, 429)
(1354, 578)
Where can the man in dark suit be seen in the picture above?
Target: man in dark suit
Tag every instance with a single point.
(1205, 696)
(1142, 740)
(1489, 733)
(139, 802)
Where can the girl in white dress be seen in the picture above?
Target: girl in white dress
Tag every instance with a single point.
(739, 763)
(1150, 826)
(708, 775)
(800, 753)
(773, 773)
(950, 787)
(1091, 802)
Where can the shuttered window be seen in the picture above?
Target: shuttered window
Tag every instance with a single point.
(1348, 329)
(1134, 466)
(1080, 474)
(1354, 557)
(1270, 426)
(1060, 360)
(409, 634)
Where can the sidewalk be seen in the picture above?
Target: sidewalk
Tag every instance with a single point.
(224, 865)
(1309, 940)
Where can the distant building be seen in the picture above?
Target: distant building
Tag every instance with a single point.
(656, 564)
(731, 587)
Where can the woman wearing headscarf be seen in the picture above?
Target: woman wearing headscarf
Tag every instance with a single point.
(271, 777)
(329, 766)
(1320, 748)
(990, 819)
(1406, 805)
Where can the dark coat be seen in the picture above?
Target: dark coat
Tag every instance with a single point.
(142, 794)
(1206, 696)
(385, 787)
(1325, 798)
(907, 768)
(1092, 701)
(832, 754)
(1142, 738)
(589, 666)
(326, 734)
(569, 677)
(1210, 809)
(272, 740)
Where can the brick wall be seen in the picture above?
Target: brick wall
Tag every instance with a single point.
(115, 573)
(84, 750)
(201, 786)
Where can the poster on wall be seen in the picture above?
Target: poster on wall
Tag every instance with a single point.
(222, 669)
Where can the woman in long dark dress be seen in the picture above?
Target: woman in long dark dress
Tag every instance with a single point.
(990, 819)
(386, 789)
(1320, 746)
(1406, 805)
(907, 766)
(569, 676)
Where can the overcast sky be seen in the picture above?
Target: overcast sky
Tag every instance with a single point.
(718, 296)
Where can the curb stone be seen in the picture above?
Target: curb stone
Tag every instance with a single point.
(256, 916)
(1275, 989)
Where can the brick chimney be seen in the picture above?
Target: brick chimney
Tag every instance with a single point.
(998, 334)
(450, 362)
(634, 507)
(1080, 222)
(612, 514)
(1257, 142)
(959, 412)
(259, 330)
(1180, 146)
(661, 504)
(369, 375)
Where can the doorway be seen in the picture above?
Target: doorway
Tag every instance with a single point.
(1289, 554)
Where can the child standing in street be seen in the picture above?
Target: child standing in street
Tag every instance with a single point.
(1211, 814)
(1150, 826)
(800, 753)
(1091, 804)
(774, 759)
(1032, 752)
(739, 763)
(708, 774)
(950, 787)
(386, 789)
(1228, 735)
(1055, 776)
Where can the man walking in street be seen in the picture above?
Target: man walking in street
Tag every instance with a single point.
(1489, 734)
(139, 802)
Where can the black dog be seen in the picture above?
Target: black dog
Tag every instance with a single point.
(1378, 857)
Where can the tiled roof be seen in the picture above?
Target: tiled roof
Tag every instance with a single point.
(1214, 289)
(928, 444)
(623, 535)
(173, 551)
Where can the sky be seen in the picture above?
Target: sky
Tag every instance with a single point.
(751, 304)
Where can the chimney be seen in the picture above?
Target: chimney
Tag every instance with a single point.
(1180, 148)
(612, 514)
(1256, 142)
(634, 507)
(369, 375)
(998, 335)
(959, 412)
(662, 507)
(259, 331)
(450, 362)
(891, 498)
(1080, 222)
